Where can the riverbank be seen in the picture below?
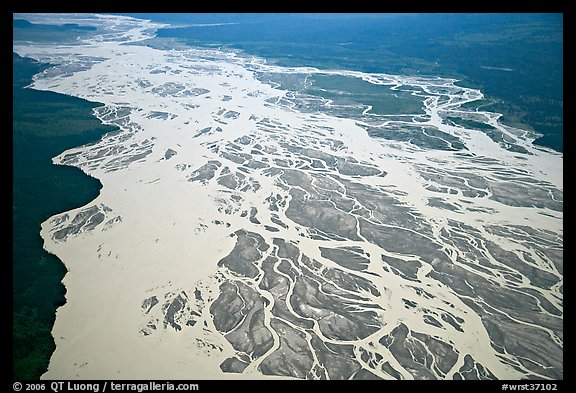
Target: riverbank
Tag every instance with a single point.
(44, 125)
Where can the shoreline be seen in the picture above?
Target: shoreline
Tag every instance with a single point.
(215, 183)
(31, 263)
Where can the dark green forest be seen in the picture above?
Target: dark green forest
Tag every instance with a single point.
(516, 60)
(44, 125)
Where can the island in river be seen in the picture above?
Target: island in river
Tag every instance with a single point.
(266, 221)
